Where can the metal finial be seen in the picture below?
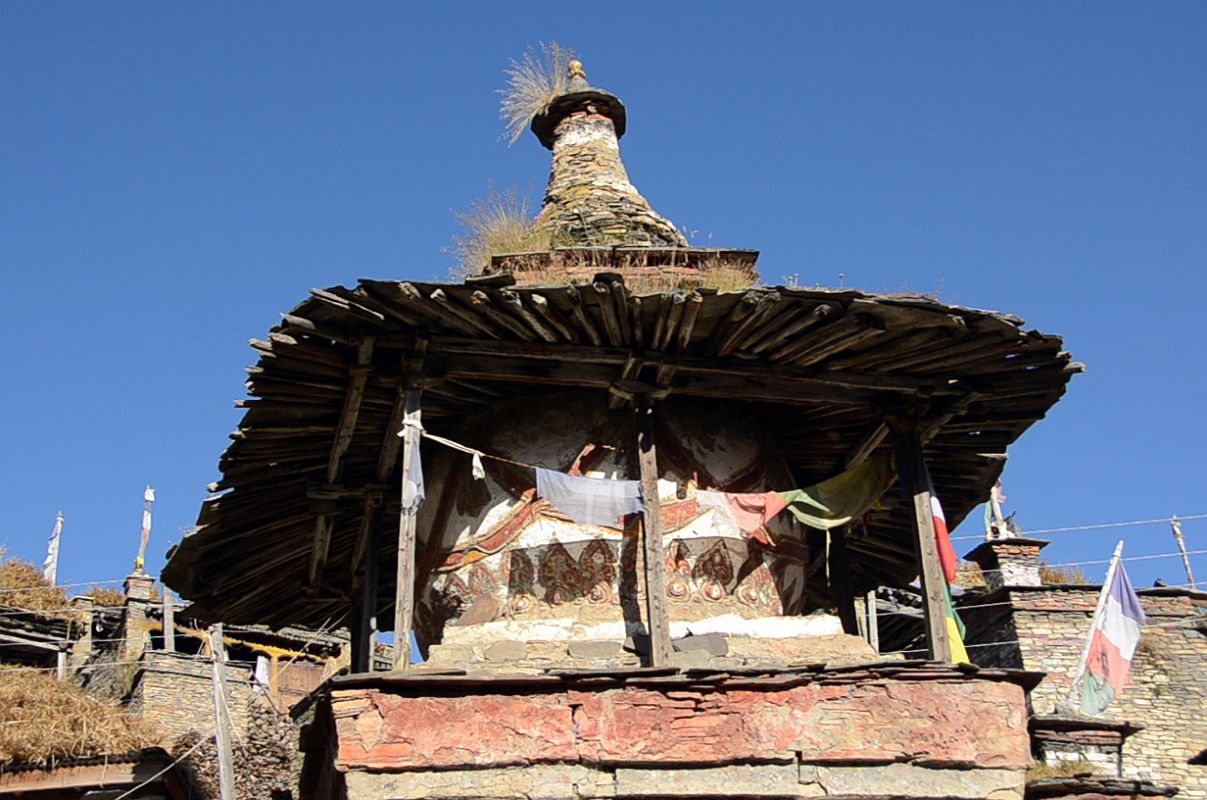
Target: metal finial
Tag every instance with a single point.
(575, 69)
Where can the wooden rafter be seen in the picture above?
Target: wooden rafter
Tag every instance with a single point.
(325, 521)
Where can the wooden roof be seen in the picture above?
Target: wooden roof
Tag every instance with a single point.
(821, 368)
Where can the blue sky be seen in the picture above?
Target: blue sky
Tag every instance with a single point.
(173, 176)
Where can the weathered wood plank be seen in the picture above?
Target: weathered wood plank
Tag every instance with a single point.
(404, 596)
(912, 465)
(657, 622)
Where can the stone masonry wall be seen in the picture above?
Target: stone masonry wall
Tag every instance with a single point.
(175, 693)
(955, 737)
(1169, 672)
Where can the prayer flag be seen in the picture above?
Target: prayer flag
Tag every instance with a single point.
(948, 562)
(589, 501)
(741, 513)
(148, 497)
(50, 567)
(413, 491)
(947, 553)
(845, 497)
(1116, 632)
(955, 630)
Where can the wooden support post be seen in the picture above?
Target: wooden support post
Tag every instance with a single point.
(840, 581)
(657, 622)
(873, 620)
(365, 607)
(404, 597)
(915, 483)
(61, 662)
(1176, 525)
(368, 540)
(222, 731)
(169, 621)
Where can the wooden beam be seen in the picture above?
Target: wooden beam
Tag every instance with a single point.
(750, 383)
(364, 620)
(152, 770)
(367, 547)
(872, 624)
(864, 448)
(912, 465)
(325, 521)
(169, 621)
(404, 597)
(320, 546)
(351, 410)
(841, 583)
(616, 398)
(588, 367)
(222, 720)
(657, 622)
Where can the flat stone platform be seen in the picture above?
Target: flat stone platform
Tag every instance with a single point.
(887, 729)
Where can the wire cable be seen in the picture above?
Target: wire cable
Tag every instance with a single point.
(1091, 527)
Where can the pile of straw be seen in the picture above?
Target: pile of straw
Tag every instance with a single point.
(22, 586)
(43, 719)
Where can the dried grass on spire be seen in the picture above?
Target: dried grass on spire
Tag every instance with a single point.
(498, 223)
(532, 82)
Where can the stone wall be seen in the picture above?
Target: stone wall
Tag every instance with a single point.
(175, 693)
(1169, 695)
(1170, 699)
(902, 731)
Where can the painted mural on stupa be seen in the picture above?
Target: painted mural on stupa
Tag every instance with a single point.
(505, 554)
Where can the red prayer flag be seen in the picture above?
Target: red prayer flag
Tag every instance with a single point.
(947, 554)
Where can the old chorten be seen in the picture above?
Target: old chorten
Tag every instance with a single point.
(669, 654)
(590, 200)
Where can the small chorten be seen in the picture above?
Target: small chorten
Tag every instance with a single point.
(590, 201)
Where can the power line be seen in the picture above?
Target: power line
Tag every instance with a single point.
(908, 610)
(23, 611)
(1127, 558)
(1095, 526)
(96, 583)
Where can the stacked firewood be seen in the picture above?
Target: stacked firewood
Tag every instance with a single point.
(267, 761)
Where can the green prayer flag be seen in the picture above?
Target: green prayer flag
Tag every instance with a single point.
(847, 496)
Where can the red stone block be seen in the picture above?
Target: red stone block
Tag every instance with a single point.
(404, 733)
(929, 722)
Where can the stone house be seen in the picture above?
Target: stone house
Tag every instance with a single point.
(1155, 729)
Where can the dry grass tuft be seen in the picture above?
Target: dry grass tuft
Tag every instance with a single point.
(1061, 576)
(532, 82)
(643, 274)
(104, 597)
(498, 223)
(22, 585)
(969, 574)
(43, 719)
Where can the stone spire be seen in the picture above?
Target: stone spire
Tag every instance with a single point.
(590, 200)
